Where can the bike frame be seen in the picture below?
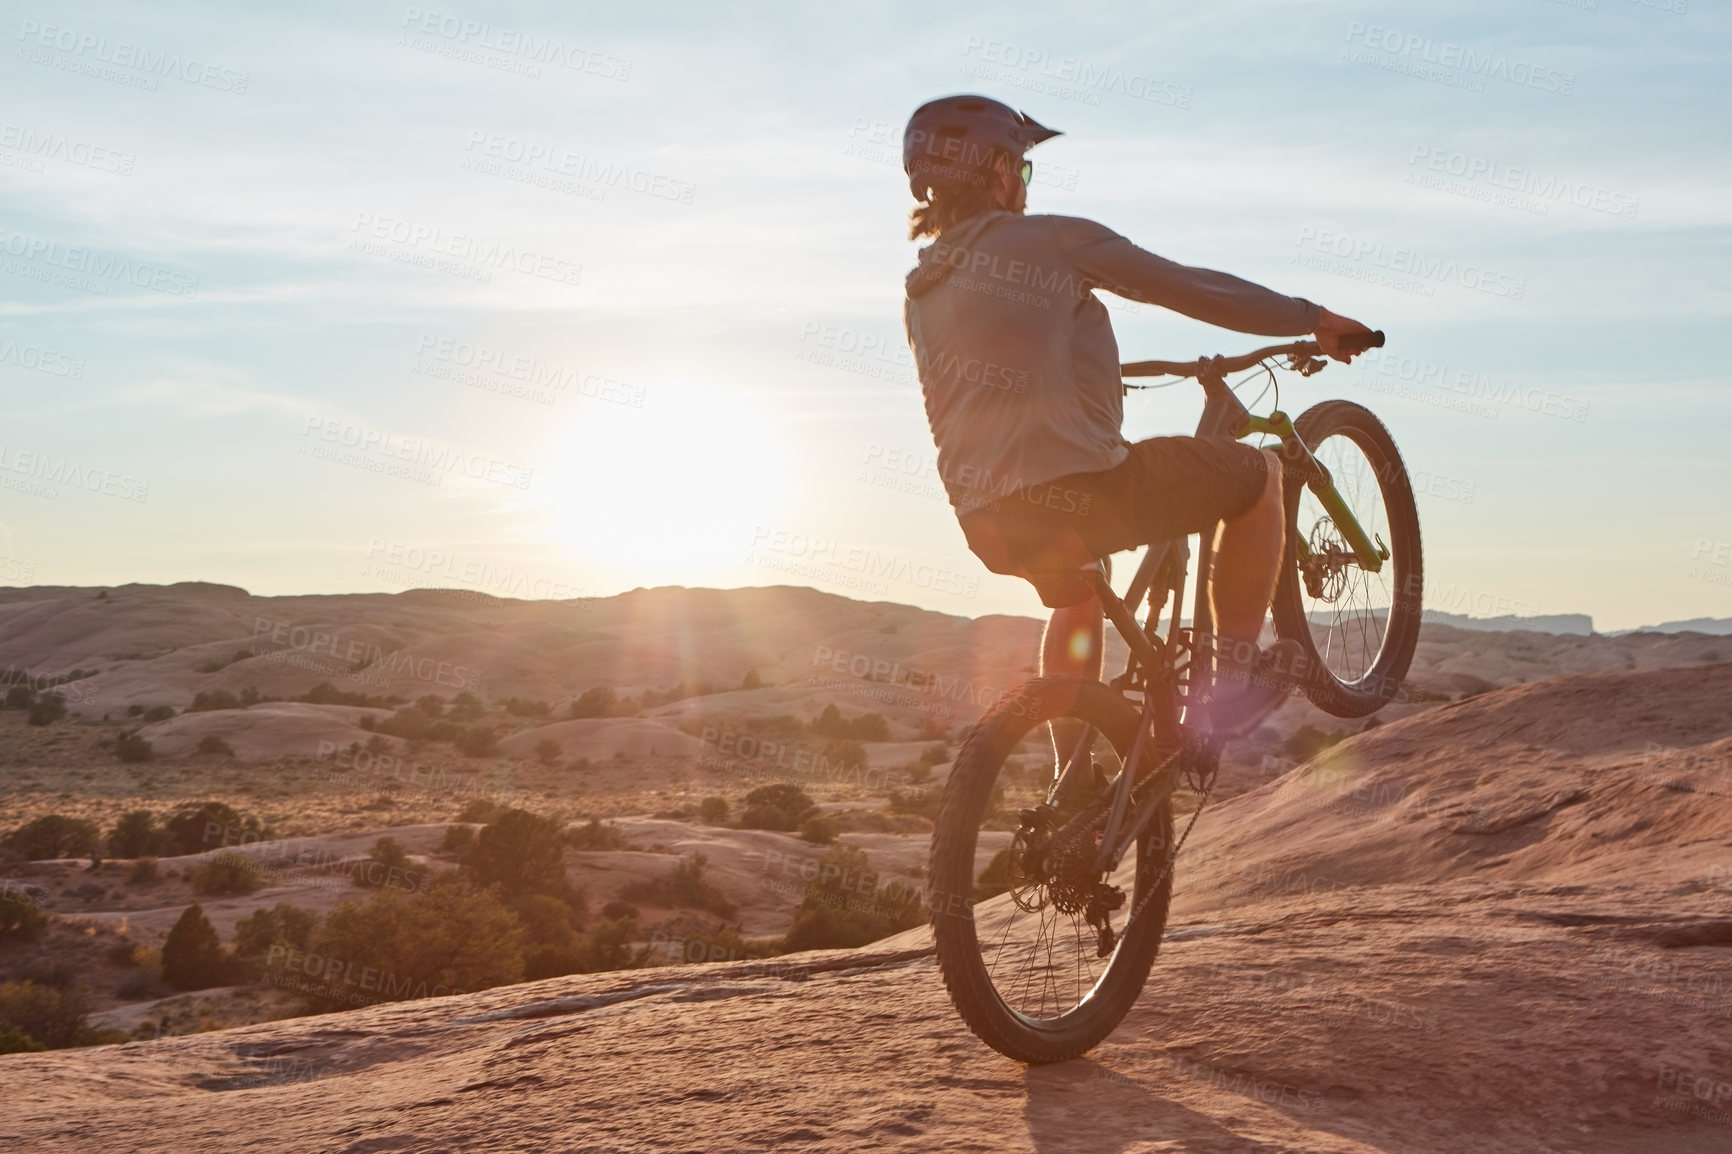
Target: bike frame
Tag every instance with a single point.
(1175, 672)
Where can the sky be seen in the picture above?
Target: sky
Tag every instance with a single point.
(563, 300)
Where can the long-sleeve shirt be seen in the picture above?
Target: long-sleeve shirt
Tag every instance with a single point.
(1016, 356)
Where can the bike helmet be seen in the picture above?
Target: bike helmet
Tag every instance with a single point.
(950, 140)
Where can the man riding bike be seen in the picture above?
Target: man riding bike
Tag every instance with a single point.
(1020, 374)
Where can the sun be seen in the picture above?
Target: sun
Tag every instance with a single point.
(670, 490)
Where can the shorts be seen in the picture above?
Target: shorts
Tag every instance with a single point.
(1167, 487)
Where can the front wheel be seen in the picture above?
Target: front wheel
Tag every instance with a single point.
(1357, 627)
(1027, 968)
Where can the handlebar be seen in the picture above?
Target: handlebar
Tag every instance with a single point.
(1298, 350)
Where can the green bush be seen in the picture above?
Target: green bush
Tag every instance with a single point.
(866, 727)
(387, 865)
(597, 702)
(52, 836)
(781, 806)
(226, 874)
(143, 872)
(130, 747)
(683, 888)
(193, 957)
(53, 1018)
(552, 945)
(158, 713)
(211, 743)
(324, 693)
(397, 946)
(20, 918)
(16, 1041)
(819, 829)
(520, 853)
(137, 835)
(713, 811)
(281, 925)
(596, 835)
(213, 700)
(844, 907)
(458, 838)
(201, 825)
(478, 742)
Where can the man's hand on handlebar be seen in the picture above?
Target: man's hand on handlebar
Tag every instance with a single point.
(1331, 328)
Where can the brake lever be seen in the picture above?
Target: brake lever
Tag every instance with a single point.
(1306, 365)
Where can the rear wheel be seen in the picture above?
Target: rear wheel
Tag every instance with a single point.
(1011, 908)
(1357, 627)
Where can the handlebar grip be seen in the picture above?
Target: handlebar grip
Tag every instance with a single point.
(1359, 342)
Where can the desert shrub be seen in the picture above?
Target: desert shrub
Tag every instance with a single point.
(1308, 741)
(192, 956)
(597, 702)
(213, 699)
(547, 751)
(751, 680)
(457, 839)
(54, 1018)
(158, 713)
(324, 693)
(52, 836)
(552, 945)
(131, 747)
(140, 985)
(20, 918)
(451, 939)
(211, 743)
(596, 835)
(844, 907)
(136, 834)
(200, 825)
(935, 754)
(480, 810)
(683, 888)
(780, 806)
(280, 925)
(431, 704)
(478, 741)
(713, 811)
(122, 953)
(466, 707)
(225, 874)
(607, 946)
(866, 727)
(387, 864)
(842, 753)
(921, 802)
(520, 853)
(48, 708)
(143, 872)
(521, 707)
(819, 829)
(16, 1041)
(617, 910)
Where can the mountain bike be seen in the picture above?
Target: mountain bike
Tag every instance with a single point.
(1030, 869)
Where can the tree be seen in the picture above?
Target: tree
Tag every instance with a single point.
(227, 873)
(281, 925)
(130, 747)
(52, 836)
(201, 825)
(192, 957)
(137, 835)
(552, 945)
(449, 940)
(780, 806)
(387, 864)
(20, 918)
(597, 702)
(683, 888)
(520, 853)
(844, 907)
(53, 1018)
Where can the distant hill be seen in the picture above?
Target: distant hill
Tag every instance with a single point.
(1717, 626)
(1577, 624)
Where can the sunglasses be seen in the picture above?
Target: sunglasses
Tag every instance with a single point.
(1027, 172)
